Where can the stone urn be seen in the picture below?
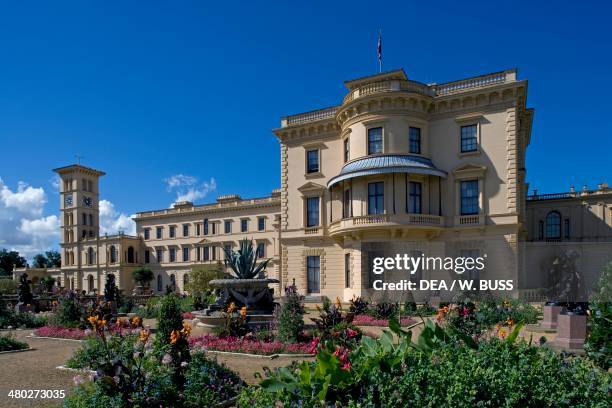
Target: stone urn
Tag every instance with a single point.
(252, 293)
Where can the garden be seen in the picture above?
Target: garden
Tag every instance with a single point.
(473, 351)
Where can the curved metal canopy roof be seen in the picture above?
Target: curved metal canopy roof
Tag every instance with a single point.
(386, 164)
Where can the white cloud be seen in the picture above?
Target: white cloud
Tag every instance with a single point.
(22, 225)
(113, 221)
(188, 188)
(55, 182)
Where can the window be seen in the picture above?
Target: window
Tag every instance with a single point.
(227, 249)
(172, 231)
(469, 138)
(84, 219)
(131, 257)
(228, 227)
(147, 256)
(414, 197)
(414, 134)
(185, 230)
(347, 151)
(261, 224)
(113, 254)
(158, 232)
(261, 249)
(375, 143)
(147, 233)
(206, 253)
(205, 226)
(90, 256)
(553, 225)
(185, 280)
(376, 198)
(172, 254)
(312, 161)
(214, 228)
(469, 197)
(91, 222)
(198, 229)
(313, 273)
(185, 254)
(312, 211)
(244, 225)
(160, 285)
(346, 204)
(347, 270)
(159, 253)
(566, 228)
(198, 254)
(213, 253)
(541, 230)
(92, 234)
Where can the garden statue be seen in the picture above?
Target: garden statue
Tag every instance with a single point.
(566, 285)
(25, 294)
(111, 292)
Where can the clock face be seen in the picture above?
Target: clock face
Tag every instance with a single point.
(68, 200)
(87, 202)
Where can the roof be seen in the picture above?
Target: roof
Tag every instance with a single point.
(72, 167)
(383, 76)
(386, 164)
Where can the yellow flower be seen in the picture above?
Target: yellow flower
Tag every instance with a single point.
(231, 308)
(93, 320)
(338, 303)
(502, 333)
(174, 336)
(136, 320)
(509, 322)
(186, 329)
(144, 335)
(243, 312)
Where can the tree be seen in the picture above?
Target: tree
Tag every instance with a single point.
(111, 292)
(598, 344)
(142, 276)
(9, 260)
(39, 261)
(54, 259)
(48, 282)
(200, 276)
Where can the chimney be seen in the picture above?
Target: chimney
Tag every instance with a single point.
(602, 186)
(572, 190)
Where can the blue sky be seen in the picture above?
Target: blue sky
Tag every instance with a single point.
(150, 90)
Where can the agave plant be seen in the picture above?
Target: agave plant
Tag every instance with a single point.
(244, 261)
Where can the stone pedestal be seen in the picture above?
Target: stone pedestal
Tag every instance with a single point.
(571, 331)
(551, 315)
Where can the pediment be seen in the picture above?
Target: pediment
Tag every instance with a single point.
(470, 168)
(311, 187)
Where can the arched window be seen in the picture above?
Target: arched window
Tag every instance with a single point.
(130, 255)
(90, 256)
(90, 283)
(553, 225)
(113, 254)
(160, 283)
(172, 282)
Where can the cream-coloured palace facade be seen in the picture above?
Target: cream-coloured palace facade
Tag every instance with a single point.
(398, 166)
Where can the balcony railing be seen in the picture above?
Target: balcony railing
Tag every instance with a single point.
(475, 83)
(386, 220)
(469, 220)
(388, 86)
(307, 117)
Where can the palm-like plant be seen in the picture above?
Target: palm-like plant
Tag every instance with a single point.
(244, 261)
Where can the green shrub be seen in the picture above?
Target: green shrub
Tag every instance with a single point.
(69, 312)
(151, 309)
(290, 319)
(359, 305)
(10, 318)
(7, 286)
(598, 344)
(208, 383)
(93, 353)
(8, 343)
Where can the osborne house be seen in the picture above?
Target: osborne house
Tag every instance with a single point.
(396, 167)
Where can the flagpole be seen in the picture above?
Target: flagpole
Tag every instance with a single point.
(379, 51)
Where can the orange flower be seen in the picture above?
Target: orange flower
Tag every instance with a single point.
(119, 323)
(93, 320)
(502, 333)
(243, 312)
(231, 308)
(509, 322)
(136, 321)
(144, 335)
(338, 303)
(174, 336)
(186, 329)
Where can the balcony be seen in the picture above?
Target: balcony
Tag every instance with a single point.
(469, 220)
(376, 222)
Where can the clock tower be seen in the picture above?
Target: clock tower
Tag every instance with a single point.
(79, 216)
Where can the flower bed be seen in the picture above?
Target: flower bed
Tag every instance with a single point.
(367, 320)
(249, 346)
(8, 343)
(75, 333)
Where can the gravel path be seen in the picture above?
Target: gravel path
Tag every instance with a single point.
(35, 370)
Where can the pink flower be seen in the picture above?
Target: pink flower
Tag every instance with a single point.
(166, 359)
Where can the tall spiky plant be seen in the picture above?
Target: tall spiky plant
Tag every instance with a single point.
(243, 262)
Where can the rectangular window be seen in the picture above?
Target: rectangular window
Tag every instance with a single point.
(346, 204)
(172, 231)
(158, 232)
(314, 274)
(312, 211)
(185, 230)
(198, 254)
(172, 254)
(213, 253)
(91, 222)
(206, 253)
(469, 197)
(261, 224)
(347, 151)
(244, 225)
(414, 135)
(185, 254)
(312, 161)
(198, 229)
(376, 198)
(566, 228)
(414, 197)
(228, 248)
(205, 226)
(159, 253)
(541, 230)
(347, 270)
(214, 228)
(375, 141)
(469, 138)
(228, 227)
(84, 219)
(147, 256)
(261, 250)
(147, 233)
